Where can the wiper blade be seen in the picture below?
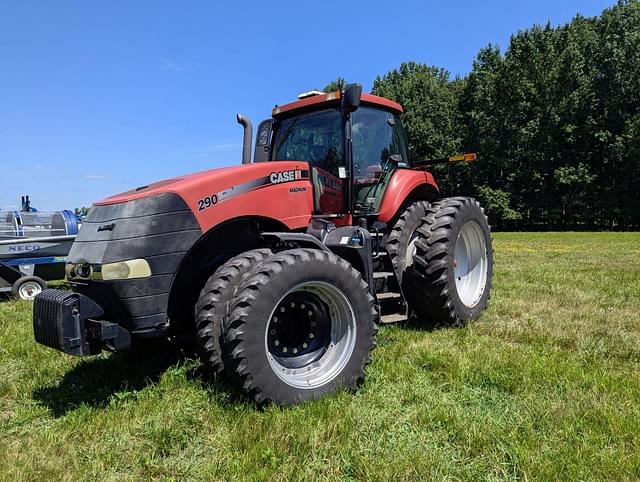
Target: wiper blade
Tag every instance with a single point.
(285, 136)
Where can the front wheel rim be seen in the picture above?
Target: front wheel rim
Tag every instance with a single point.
(311, 335)
(29, 290)
(470, 264)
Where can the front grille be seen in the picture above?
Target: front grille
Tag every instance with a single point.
(160, 229)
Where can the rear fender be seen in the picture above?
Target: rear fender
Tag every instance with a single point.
(406, 185)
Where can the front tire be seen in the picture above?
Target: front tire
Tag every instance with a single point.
(211, 308)
(453, 263)
(301, 326)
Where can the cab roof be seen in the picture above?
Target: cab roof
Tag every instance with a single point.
(334, 97)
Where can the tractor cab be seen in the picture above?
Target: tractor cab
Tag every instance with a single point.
(353, 143)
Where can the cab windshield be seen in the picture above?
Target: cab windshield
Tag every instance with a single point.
(315, 137)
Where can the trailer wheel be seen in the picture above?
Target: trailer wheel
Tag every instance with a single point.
(211, 308)
(453, 263)
(401, 241)
(301, 326)
(28, 287)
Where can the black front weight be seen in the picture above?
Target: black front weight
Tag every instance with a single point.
(68, 322)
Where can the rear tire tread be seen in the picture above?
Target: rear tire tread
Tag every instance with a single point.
(395, 246)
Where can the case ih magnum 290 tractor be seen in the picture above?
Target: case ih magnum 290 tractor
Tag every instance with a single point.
(281, 268)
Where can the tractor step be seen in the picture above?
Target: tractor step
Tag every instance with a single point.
(389, 295)
(383, 274)
(393, 318)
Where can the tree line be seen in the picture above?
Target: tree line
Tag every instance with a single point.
(554, 119)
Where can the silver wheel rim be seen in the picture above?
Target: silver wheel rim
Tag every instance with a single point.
(470, 264)
(307, 368)
(29, 290)
(411, 250)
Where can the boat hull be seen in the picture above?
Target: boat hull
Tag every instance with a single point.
(35, 247)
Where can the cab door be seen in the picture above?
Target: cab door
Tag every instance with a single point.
(317, 138)
(379, 147)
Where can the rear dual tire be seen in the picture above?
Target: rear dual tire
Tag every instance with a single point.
(453, 262)
(403, 236)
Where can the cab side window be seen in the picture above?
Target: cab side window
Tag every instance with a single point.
(377, 135)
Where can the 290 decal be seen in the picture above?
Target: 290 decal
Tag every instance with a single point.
(207, 202)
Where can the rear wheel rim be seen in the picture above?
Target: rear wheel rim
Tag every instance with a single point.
(411, 250)
(29, 290)
(311, 335)
(470, 264)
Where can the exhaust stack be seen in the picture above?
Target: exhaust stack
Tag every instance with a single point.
(246, 140)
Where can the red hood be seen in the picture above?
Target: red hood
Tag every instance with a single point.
(211, 180)
(218, 195)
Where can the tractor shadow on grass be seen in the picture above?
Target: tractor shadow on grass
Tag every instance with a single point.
(416, 324)
(95, 382)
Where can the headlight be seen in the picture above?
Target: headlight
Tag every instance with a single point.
(82, 271)
(132, 269)
(135, 268)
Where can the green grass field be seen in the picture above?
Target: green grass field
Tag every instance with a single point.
(546, 385)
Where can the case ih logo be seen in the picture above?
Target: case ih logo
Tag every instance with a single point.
(285, 176)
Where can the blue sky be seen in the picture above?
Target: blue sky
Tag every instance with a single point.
(98, 97)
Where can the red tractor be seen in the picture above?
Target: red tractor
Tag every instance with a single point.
(281, 269)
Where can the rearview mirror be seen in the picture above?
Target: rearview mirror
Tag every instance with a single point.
(263, 141)
(351, 98)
